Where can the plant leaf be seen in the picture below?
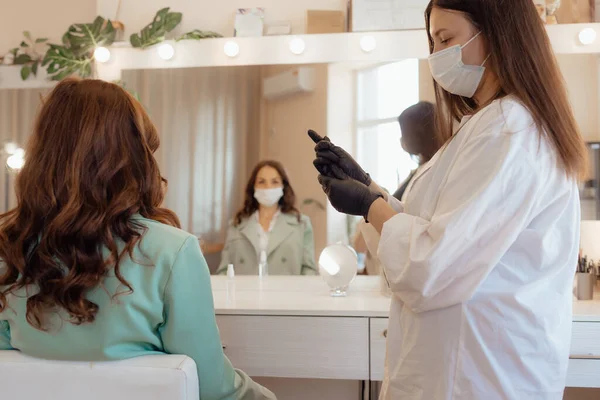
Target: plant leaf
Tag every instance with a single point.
(24, 44)
(61, 61)
(197, 34)
(171, 21)
(155, 32)
(135, 40)
(82, 39)
(34, 67)
(27, 34)
(25, 72)
(317, 203)
(22, 59)
(41, 40)
(14, 51)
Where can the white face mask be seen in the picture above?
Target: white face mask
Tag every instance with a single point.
(449, 71)
(268, 197)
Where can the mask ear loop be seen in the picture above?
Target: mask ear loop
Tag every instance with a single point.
(484, 61)
(470, 40)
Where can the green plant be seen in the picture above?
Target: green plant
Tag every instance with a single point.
(61, 62)
(156, 31)
(27, 55)
(317, 203)
(197, 34)
(76, 54)
(83, 39)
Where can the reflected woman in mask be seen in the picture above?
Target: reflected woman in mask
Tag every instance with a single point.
(269, 228)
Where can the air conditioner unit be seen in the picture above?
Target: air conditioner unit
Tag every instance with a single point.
(293, 81)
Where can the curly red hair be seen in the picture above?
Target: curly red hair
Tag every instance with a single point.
(89, 169)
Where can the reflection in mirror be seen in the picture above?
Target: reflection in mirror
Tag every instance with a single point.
(18, 108)
(580, 72)
(208, 122)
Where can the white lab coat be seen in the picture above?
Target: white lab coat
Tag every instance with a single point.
(481, 262)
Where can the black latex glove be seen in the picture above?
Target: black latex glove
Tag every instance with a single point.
(349, 196)
(334, 162)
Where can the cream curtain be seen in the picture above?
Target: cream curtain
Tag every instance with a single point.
(208, 120)
(18, 108)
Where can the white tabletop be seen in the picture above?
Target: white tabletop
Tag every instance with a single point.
(297, 295)
(309, 296)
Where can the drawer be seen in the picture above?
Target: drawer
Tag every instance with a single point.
(584, 366)
(297, 347)
(583, 373)
(378, 335)
(585, 342)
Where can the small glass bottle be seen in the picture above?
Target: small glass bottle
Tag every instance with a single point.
(230, 284)
(263, 268)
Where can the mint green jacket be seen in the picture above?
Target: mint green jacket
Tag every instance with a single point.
(170, 311)
(291, 248)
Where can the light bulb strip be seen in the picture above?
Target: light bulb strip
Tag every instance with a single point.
(296, 46)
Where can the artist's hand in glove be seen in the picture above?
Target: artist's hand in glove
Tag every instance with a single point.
(334, 162)
(349, 196)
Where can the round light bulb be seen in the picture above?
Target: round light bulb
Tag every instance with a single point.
(231, 49)
(16, 161)
(297, 46)
(102, 54)
(166, 51)
(368, 44)
(587, 36)
(10, 148)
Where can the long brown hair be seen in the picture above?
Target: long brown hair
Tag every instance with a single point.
(523, 61)
(89, 169)
(287, 203)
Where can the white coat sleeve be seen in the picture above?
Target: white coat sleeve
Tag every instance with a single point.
(437, 262)
(395, 204)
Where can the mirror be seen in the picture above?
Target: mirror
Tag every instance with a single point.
(216, 124)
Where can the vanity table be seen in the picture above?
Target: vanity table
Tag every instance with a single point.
(289, 327)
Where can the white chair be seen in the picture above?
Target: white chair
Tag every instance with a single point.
(160, 377)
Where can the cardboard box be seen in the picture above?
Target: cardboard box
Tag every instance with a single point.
(323, 21)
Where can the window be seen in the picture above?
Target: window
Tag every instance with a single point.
(383, 93)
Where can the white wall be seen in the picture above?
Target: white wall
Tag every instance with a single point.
(284, 123)
(42, 18)
(213, 15)
(580, 72)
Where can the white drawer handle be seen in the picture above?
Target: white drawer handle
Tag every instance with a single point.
(385, 333)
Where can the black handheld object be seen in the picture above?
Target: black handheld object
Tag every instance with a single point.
(334, 162)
